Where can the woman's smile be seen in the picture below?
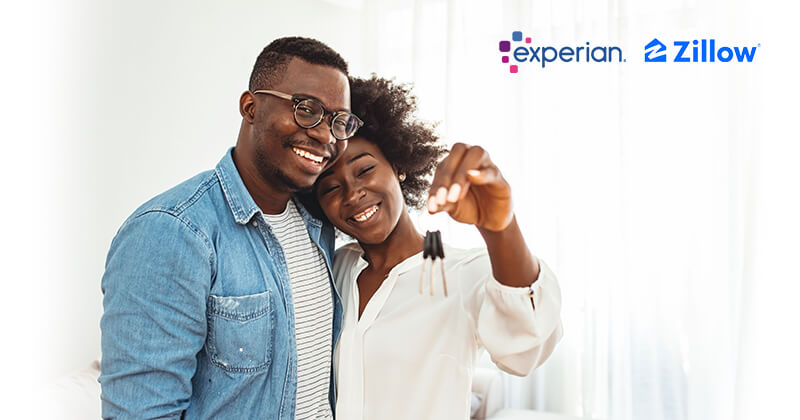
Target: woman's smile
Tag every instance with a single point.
(366, 215)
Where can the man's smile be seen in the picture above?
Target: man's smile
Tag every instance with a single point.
(309, 155)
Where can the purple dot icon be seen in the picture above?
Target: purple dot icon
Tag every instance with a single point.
(505, 59)
(505, 46)
(513, 68)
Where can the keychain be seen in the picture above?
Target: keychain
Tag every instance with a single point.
(432, 249)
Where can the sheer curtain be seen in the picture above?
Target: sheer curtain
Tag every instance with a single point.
(642, 185)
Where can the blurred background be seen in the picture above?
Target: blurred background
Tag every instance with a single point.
(664, 195)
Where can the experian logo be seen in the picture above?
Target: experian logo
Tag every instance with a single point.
(527, 53)
(702, 51)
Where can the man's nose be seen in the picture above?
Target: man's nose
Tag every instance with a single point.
(322, 132)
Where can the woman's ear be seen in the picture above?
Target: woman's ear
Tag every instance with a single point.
(247, 105)
(401, 175)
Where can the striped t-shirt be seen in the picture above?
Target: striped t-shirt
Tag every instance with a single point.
(313, 312)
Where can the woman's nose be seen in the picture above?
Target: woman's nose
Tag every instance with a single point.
(353, 194)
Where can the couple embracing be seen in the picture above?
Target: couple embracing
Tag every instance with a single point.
(224, 298)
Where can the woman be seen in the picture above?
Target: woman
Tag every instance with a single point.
(406, 355)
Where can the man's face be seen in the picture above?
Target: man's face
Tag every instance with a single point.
(286, 154)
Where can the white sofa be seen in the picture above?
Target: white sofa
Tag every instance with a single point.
(75, 396)
(487, 386)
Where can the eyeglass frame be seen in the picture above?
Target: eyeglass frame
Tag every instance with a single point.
(298, 99)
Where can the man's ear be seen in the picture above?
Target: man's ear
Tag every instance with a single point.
(247, 106)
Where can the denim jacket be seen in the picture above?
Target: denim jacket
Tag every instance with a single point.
(198, 316)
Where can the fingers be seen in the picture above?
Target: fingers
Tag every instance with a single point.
(483, 176)
(474, 158)
(442, 178)
(452, 179)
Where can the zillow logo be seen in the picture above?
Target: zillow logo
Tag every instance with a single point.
(527, 53)
(702, 51)
(655, 47)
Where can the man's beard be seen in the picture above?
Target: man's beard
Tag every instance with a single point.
(272, 173)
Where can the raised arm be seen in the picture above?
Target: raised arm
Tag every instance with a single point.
(516, 314)
(470, 187)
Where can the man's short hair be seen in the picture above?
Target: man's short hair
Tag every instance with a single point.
(271, 64)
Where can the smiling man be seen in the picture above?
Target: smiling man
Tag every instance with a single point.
(218, 300)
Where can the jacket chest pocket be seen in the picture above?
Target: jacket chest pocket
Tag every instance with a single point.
(240, 332)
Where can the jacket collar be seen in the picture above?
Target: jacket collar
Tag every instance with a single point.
(240, 202)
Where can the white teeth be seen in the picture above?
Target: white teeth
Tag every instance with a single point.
(366, 214)
(307, 155)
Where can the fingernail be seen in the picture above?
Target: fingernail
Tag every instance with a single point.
(452, 195)
(441, 196)
(474, 172)
(431, 204)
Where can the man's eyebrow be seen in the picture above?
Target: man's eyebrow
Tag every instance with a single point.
(359, 157)
(310, 96)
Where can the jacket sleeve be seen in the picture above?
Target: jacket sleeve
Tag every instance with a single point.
(157, 279)
(518, 328)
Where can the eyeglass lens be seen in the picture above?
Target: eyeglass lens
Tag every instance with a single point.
(309, 113)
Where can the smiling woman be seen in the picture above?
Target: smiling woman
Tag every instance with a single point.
(396, 345)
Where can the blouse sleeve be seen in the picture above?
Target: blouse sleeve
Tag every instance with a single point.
(518, 335)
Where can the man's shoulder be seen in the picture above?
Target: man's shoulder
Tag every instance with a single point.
(182, 198)
(195, 203)
(175, 224)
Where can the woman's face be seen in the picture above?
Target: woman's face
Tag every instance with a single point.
(360, 194)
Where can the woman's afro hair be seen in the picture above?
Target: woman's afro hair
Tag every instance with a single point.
(388, 111)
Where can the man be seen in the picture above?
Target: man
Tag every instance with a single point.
(218, 301)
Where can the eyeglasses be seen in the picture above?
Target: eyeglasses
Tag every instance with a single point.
(308, 113)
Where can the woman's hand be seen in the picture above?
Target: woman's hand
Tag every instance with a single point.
(469, 187)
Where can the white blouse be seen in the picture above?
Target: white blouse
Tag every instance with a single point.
(411, 356)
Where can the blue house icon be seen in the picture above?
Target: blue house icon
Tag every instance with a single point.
(655, 52)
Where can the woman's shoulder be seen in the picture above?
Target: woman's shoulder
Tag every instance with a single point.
(350, 251)
(345, 260)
